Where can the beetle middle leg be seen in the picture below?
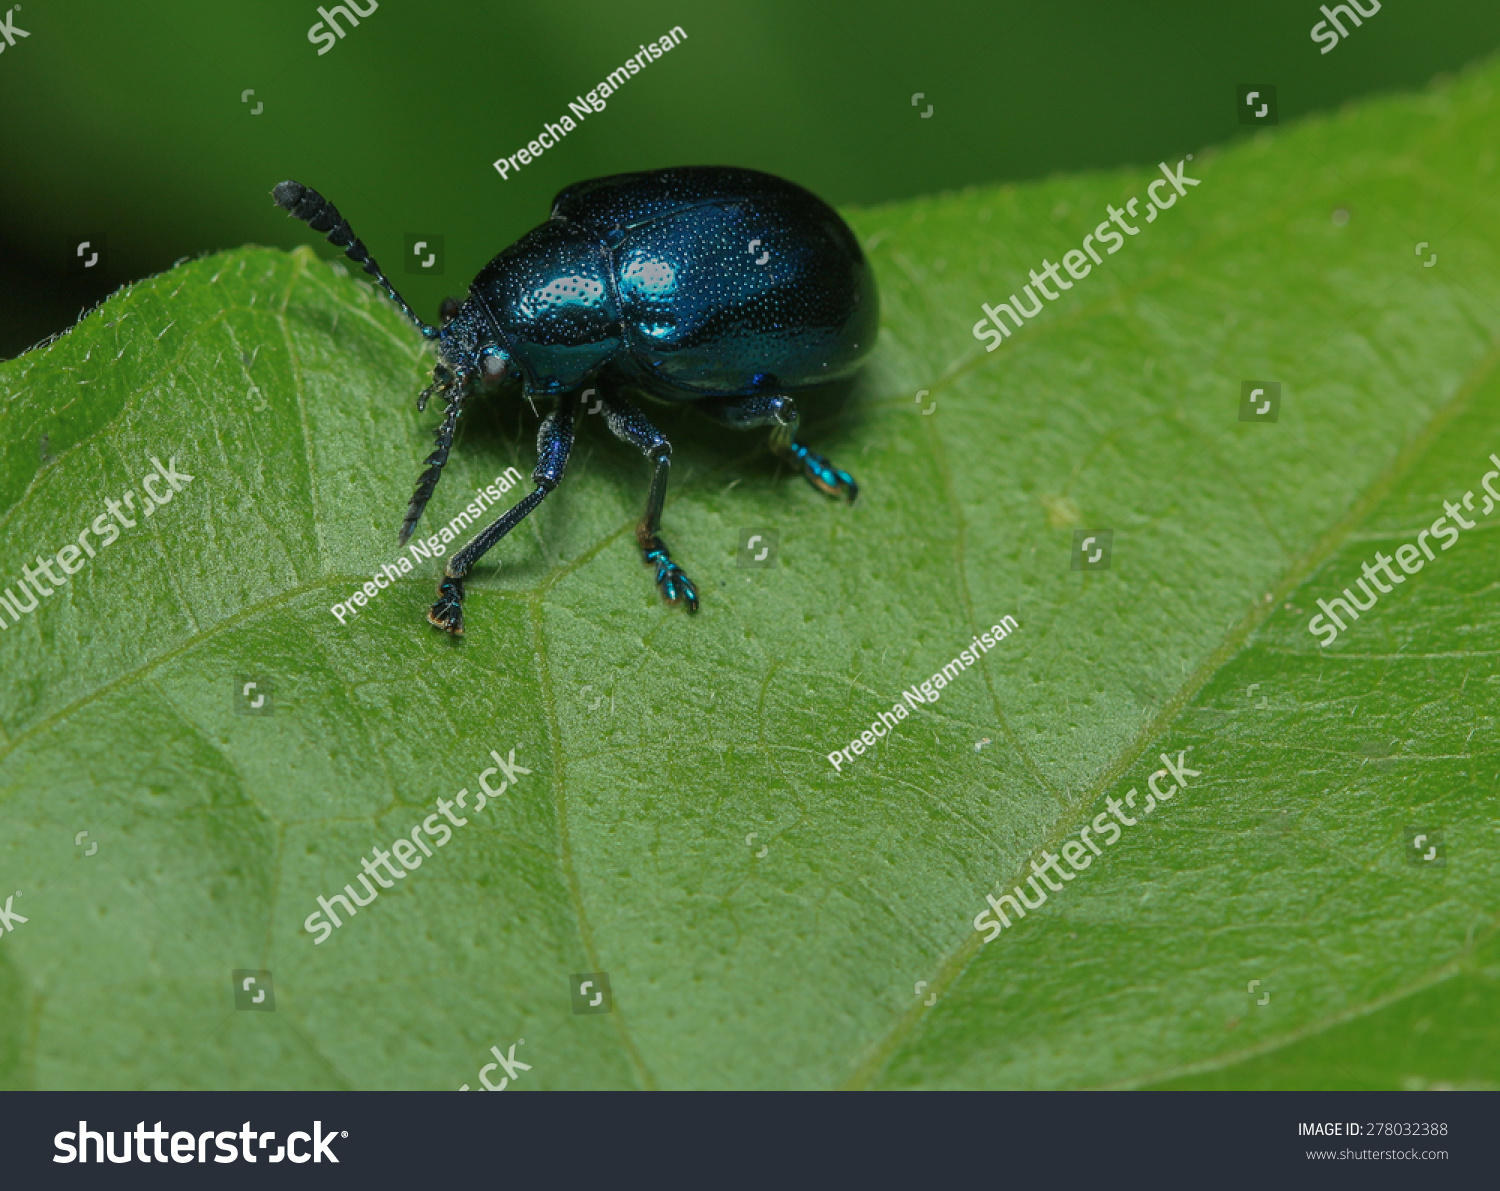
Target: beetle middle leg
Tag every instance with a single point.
(780, 413)
(628, 424)
(553, 442)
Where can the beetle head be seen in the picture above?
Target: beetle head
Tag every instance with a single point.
(468, 353)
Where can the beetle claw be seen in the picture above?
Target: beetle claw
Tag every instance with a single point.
(823, 476)
(448, 613)
(675, 586)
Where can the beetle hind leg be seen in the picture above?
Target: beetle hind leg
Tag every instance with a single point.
(780, 413)
(629, 425)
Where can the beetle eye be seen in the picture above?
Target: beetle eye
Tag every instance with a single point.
(494, 364)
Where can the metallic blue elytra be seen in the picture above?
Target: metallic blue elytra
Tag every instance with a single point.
(727, 288)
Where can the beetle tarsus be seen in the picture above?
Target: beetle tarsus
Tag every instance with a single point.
(676, 587)
(820, 473)
(448, 613)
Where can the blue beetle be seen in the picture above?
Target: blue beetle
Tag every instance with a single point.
(727, 288)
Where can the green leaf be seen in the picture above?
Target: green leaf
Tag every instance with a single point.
(667, 753)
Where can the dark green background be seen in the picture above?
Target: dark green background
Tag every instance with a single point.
(125, 120)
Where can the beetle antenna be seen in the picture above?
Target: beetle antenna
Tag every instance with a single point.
(428, 481)
(306, 204)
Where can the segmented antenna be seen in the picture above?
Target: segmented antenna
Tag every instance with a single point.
(429, 478)
(318, 213)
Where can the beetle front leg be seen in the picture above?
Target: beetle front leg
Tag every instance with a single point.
(428, 481)
(628, 424)
(780, 413)
(554, 441)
